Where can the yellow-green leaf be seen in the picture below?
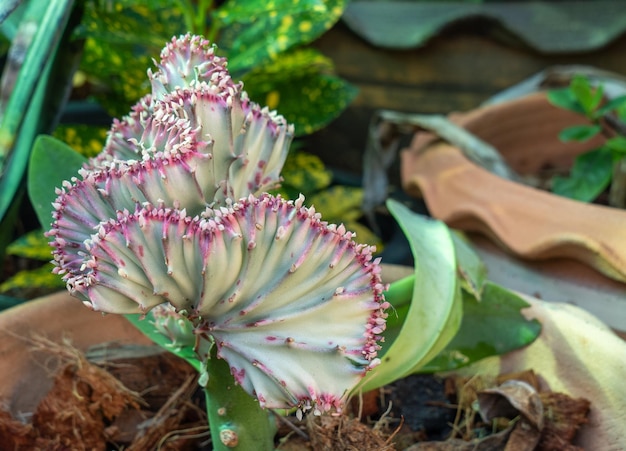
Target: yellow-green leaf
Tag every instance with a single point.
(32, 245)
(256, 31)
(304, 173)
(339, 203)
(40, 278)
(88, 140)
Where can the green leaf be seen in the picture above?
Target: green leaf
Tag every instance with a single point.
(51, 162)
(122, 38)
(338, 203)
(33, 245)
(308, 101)
(471, 269)
(588, 97)
(617, 144)
(590, 175)
(299, 61)
(615, 103)
(7, 7)
(9, 301)
(143, 23)
(434, 314)
(256, 31)
(304, 173)
(145, 324)
(564, 98)
(342, 205)
(493, 326)
(579, 132)
(400, 296)
(41, 277)
(88, 140)
(364, 234)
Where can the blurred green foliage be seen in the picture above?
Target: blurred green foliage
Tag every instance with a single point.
(33, 246)
(592, 171)
(87, 140)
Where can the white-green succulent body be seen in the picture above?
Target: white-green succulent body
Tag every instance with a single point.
(174, 212)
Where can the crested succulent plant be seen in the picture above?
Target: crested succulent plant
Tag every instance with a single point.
(173, 215)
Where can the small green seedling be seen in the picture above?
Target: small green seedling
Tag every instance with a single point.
(593, 171)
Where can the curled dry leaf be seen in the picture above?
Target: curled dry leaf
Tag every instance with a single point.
(510, 399)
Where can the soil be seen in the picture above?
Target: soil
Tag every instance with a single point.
(143, 398)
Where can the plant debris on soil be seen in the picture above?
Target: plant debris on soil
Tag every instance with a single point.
(143, 398)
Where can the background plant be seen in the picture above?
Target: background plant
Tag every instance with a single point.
(598, 168)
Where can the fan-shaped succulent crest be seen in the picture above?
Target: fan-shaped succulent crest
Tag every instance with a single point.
(173, 215)
(283, 295)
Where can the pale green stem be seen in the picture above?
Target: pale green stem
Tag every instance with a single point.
(237, 421)
(232, 413)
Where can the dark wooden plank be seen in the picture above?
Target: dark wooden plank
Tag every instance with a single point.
(455, 71)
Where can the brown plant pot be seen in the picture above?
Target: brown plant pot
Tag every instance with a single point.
(528, 222)
(25, 377)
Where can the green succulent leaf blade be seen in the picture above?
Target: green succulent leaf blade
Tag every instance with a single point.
(25, 116)
(491, 326)
(435, 310)
(579, 132)
(399, 295)
(51, 162)
(144, 323)
(590, 175)
(7, 8)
